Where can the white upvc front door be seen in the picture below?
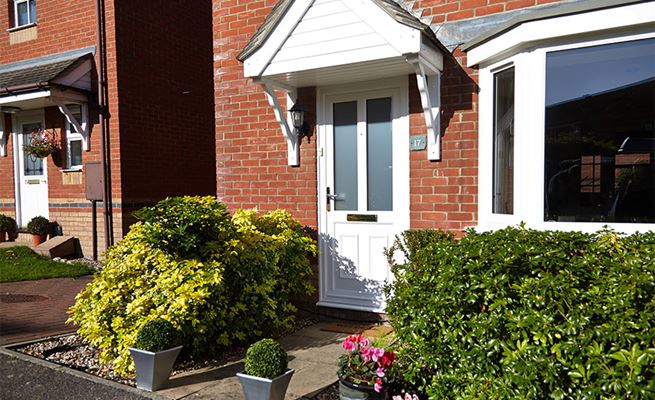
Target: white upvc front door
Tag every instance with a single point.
(32, 174)
(363, 189)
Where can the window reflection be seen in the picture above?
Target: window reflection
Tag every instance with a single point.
(600, 137)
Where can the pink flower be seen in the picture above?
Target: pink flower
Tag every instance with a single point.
(378, 385)
(367, 353)
(376, 353)
(348, 345)
(380, 372)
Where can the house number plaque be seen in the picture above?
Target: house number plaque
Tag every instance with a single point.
(417, 143)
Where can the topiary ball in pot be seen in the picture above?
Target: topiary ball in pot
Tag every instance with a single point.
(38, 226)
(157, 335)
(266, 359)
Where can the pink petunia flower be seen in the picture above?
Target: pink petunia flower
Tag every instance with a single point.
(380, 372)
(378, 385)
(348, 345)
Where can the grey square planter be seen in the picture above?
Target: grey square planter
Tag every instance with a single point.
(153, 369)
(256, 388)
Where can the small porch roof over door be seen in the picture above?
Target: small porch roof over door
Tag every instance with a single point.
(55, 80)
(325, 42)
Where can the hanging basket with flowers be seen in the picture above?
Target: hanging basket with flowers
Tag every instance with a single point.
(42, 143)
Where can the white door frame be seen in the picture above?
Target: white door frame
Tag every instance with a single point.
(17, 122)
(400, 126)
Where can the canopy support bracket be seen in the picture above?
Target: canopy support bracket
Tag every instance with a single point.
(293, 144)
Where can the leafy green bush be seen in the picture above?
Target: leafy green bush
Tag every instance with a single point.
(6, 224)
(186, 226)
(266, 359)
(157, 335)
(236, 287)
(519, 313)
(38, 226)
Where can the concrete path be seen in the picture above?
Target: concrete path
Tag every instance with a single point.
(36, 309)
(313, 353)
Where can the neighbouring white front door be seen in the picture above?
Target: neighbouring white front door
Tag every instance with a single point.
(364, 190)
(32, 176)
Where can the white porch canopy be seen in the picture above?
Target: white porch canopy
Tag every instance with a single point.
(58, 80)
(324, 42)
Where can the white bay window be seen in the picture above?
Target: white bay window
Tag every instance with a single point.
(567, 124)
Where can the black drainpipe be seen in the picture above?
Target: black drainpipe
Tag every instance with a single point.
(104, 116)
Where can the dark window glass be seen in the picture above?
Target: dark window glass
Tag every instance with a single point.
(76, 153)
(600, 136)
(503, 173)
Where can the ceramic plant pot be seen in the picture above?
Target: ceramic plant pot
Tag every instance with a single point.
(352, 391)
(153, 369)
(256, 388)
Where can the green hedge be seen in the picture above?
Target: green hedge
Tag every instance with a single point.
(519, 313)
(233, 283)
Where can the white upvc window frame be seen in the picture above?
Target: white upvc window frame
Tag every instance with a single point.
(29, 15)
(72, 135)
(529, 138)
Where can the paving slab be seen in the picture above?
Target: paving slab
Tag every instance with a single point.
(37, 309)
(313, 353)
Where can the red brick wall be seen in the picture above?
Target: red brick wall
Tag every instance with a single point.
(165, 82)
(251, 153)
(453, 10)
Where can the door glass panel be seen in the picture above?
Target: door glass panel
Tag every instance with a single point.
(345, 155)
(379, 154)
(32, 165)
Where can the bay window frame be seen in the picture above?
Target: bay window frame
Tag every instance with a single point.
(529, 137)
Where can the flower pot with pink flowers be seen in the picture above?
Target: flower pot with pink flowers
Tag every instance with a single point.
(363, 370)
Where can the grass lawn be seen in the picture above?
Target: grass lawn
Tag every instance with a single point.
(22, 264)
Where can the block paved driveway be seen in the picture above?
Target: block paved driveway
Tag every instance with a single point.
(35, 309)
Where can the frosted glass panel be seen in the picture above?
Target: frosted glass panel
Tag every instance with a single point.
(379, 151)
(345, 155)
(32, 165)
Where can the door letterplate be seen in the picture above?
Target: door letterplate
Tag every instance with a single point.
(362, 217)
(33, 181)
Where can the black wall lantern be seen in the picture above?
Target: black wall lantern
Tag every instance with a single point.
(300, 128)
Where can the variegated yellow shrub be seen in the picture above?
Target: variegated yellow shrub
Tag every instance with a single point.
(233, 285)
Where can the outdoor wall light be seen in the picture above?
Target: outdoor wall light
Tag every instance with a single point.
(300, 128)
(10, 109)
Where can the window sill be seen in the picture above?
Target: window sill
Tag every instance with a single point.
(73, 169)
(20, 28)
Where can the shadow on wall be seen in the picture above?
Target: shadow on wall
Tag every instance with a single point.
(457, 92)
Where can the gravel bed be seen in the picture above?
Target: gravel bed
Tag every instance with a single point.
(74, 352)
(329, 393)
(96, 265)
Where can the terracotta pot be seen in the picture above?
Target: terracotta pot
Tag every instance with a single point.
(38, 239)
